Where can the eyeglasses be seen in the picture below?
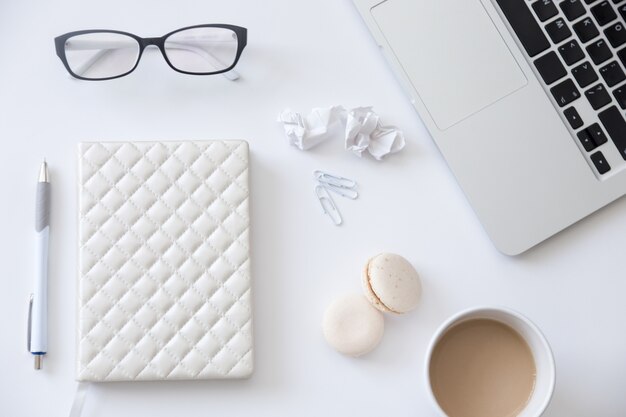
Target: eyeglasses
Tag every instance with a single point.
(107, 54)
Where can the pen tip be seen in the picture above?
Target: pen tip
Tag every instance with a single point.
(43, 172)
(37, 362)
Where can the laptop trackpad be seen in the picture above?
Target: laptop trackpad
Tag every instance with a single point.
(452, 54)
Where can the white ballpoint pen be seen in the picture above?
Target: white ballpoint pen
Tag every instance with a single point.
(38, 307)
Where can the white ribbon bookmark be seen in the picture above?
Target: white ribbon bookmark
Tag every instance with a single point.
(79, 399)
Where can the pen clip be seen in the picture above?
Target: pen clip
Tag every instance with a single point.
(30, 321)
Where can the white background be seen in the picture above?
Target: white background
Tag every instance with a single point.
(300, 54)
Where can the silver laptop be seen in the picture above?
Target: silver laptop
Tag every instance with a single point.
(525, 100)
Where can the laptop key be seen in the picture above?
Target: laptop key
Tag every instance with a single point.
(616, 34)
(612, 73)
(585, 139)
(571, 52)
(584, 74)
(525, 26)
(600, 162)
(599, 51)
(598, 136)
(620, 96)
(621, 54)
(545, 9)
(586, 30)
(622, 11)
(572, 9)
(598, 96)
(615, 126)
(550, 68)
(565, 92)
(573, 118)
(558, 30)
(604, 13)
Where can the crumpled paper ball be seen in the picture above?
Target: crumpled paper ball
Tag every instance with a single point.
(363, 130)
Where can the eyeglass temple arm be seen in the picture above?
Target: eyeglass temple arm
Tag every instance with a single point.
(92, 60)
(107, 47)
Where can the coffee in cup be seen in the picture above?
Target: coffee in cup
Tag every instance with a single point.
(490, 362)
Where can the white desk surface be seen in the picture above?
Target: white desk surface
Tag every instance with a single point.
(300, 54)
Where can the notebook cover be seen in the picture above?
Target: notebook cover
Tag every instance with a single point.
(164, 287)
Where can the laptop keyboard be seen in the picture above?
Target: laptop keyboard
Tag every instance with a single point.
(578, 49)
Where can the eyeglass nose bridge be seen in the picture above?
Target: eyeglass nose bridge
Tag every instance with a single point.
(158, 42)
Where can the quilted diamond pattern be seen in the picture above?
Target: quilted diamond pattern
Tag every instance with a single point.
(164, 282)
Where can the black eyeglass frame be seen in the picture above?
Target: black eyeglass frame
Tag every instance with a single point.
(241, 32)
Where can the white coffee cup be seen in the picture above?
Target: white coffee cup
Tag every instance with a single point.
(542, 354)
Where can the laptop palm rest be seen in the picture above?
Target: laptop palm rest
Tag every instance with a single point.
(451, 53)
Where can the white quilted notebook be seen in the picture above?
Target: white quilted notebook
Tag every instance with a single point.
(164, 287)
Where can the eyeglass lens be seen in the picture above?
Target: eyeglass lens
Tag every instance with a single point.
(101, 54)
(202, 50)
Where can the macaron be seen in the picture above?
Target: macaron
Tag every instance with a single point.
(391, 283)
(352, 326)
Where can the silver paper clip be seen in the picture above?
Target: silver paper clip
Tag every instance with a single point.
(345, 187)
(344, 192)
(328, 204)
(334, 180)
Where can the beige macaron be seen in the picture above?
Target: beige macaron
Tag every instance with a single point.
(352, 326)
(391, 283)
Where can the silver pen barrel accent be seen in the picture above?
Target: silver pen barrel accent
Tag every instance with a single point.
(42, 207)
